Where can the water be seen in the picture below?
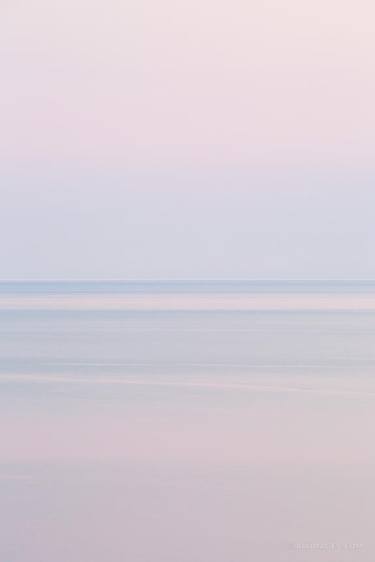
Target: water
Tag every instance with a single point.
(190, 421)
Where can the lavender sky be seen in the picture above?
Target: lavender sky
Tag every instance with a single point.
(200, 139)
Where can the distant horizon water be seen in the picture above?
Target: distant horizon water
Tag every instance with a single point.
(222, 420)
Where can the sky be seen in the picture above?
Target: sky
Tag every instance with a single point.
(201, 139)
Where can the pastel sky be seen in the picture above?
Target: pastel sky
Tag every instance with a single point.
(200, 139)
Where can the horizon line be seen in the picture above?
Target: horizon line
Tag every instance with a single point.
(190, 280)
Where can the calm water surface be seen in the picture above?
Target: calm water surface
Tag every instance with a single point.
(187, 422)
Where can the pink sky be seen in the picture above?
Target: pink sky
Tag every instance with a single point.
(187, 139)
(198, 82)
